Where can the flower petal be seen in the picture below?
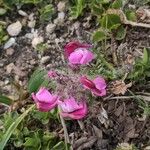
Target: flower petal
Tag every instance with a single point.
(45, 106)
(71, 46)
(87, 83)
(43, 95)
(100, 83)
(87, 56)
(69, 105)
(75, 57)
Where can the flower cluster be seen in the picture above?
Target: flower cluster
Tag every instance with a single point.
(69, 95)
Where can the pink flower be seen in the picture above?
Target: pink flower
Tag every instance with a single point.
(73, 109)
(81, 56)
(44, 100)
(52, 74)
(97, 86)
(78, 53)
(72, 46)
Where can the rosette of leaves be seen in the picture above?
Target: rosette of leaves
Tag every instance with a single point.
(19, 132)
(110, 22)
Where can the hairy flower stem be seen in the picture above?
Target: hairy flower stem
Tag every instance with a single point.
(65, 130)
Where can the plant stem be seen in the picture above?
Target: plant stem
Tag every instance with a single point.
(66, 136)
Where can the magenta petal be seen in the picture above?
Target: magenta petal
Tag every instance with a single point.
(77, 114)
(87, 57)
(34, 97)
(69, 105)
(71, 46)
(100, 83)
(82, 111)
(87, 83)
(72, 116)
(46, 106)
(75, 57)
(43, 95)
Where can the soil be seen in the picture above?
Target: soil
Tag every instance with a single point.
(124, 123)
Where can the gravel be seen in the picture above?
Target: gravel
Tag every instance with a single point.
(14, 29)
(9, 43)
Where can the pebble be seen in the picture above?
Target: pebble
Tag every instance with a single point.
(61, 6)
(10, 67)
(45, 59)
(14, 29)
(31, 24)
(50, 28)
(36, 41)
(76, 25)
(32, 62)
(31, 17)
(10, 51)
(22, 13)
(6, 81)
(61, 16)
(10, 43)
(60, 19)
(1, 64)
(29, 35)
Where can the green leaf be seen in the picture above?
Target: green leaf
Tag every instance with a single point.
(5, 100)
(31, 1)
(121, 33)
(117, 4)
(60, 145)
(110, 21)
(46, 12)
(103, 1)
(34, 141)
(12, 128)
(97, 9)
(131, 15)
(77, 9)
(99, 36)
(145, 57)
(36, 80)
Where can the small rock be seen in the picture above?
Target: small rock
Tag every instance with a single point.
(60, 19)
(45, 59)
(14, 29)
(36, 41)
(76, 25)
(6, 81)
(10, 67)
(31, 17)
(31, 24)
(32, 62)
(24, 21)
(29, 35)
(61, 16)
(9, 43)
(22, 13)
(50, 28)
(61, 6)
(1, 64)
(1, 83)
(10, 51)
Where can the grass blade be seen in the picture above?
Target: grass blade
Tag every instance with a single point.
(12, 127)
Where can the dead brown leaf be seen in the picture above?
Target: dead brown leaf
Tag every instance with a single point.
(119, 87)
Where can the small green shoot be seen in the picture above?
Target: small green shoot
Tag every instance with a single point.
(77, 9)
